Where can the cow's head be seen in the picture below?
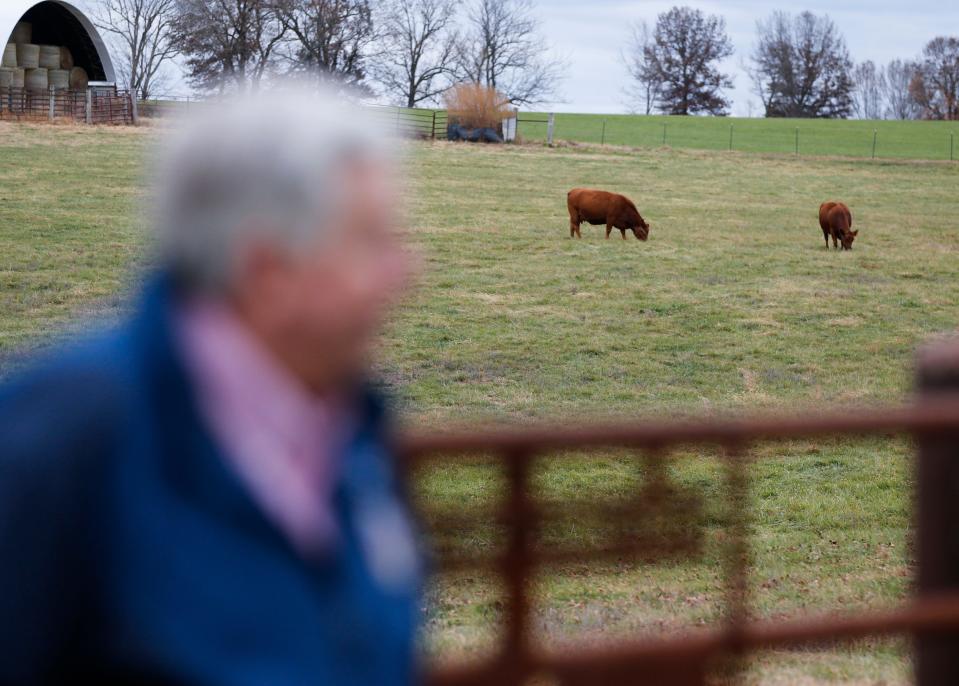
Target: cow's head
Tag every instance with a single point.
(641, 228)
(847, 238)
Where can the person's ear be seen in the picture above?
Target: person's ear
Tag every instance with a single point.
(260, 280)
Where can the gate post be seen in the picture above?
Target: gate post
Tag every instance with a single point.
(53, 104)
(937, 508)
(89, 107)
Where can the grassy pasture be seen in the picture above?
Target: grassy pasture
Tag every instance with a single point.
(925, 140)
(734, 303)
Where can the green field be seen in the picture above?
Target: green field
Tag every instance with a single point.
(925, 140)
(733, 304)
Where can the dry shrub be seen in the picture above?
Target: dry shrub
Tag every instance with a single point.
(475, 106)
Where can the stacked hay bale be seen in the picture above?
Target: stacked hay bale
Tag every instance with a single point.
(38, 67)
(36, 80)
(9, 71)
(28, 55)
(22, 32)
(79, 79)
(59, 79)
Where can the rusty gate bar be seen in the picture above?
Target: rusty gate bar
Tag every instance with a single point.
(937, 506)
(932, 616)
(932, 613)
(516, 569)
(921, 416)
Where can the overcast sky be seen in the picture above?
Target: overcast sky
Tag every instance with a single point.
(590, 35)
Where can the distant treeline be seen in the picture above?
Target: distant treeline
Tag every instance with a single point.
(412, 51)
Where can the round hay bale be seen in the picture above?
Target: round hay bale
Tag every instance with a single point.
(22, 32)
(59, 78)
(66, 58)
(36, 80)
(6, 77)
(18, 77)
(9, 55)
(28, 55)
(79, 79)
(50, 56)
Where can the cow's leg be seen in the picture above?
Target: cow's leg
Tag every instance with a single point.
(623, 233)
(825, 234)
(573, 226)
(835, 243)
(609, 229)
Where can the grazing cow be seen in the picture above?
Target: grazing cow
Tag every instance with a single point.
(836, 221)
(601, 207)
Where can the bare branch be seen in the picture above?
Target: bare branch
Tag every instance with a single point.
(502, 49)
(680, 62)
(228, 44)
(416, 64)
(801, 68)
(141, 32)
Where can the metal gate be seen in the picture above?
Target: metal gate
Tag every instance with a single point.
(932, 616)
(91, 106)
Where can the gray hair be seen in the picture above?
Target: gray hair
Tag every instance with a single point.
(264, 168)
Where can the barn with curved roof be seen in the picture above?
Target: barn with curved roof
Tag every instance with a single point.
(57, 23)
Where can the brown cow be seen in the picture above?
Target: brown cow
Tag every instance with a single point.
(835, 220)
(601, 207)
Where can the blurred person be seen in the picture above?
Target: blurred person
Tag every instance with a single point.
(206, 495)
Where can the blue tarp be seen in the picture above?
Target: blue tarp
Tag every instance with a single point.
(455, 132)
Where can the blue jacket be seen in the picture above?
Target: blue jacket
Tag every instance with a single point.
(130, 552)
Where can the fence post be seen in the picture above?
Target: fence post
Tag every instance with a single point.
(952, 141)
(730, 138)
(433, 130)
(797, 140)
(53, 104)
(602, 140)
(89, 107)
(550, 125)
(937, 508)
(875, 135)
(134, 112)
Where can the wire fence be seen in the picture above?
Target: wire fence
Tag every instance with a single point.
(921, 140)
(403, 121)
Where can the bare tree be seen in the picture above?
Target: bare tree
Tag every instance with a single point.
(868, 90)
(141, 31)
(331, 39)
(681, 60)
(641, 92)
(419, 45)
(801, 67)
(502, 49)
(935, 86)
(900, 104)
(227, 43)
